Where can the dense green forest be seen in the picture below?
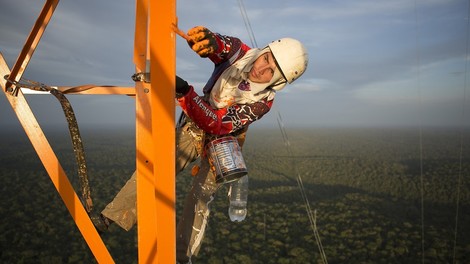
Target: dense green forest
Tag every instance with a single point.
(368, 188)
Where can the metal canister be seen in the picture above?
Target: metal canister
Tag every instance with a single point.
(226, 157)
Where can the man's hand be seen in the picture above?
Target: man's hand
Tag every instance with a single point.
(182, 87)
(203, 41)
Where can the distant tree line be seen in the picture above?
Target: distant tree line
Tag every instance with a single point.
(366, 186)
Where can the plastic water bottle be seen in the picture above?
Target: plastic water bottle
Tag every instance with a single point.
(238, 196)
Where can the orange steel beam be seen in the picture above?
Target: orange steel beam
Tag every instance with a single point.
(155, 131)
(104, 90)
(145, 150)
(162, 44)
(90, 89)
(55, 170)
(38, 139)
(140, 38)
(32, 41)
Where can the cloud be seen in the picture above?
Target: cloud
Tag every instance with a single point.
(307, 86)
(432, 84)
(364, 54)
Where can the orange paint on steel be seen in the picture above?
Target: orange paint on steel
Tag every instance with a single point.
(98, 90)
(140, 37)
(88, 90)
(32, 40)
(38, 139)
(55, 170)
(162, 44)
(145, 150)
(155, 130)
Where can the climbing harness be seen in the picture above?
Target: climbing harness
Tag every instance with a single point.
(73, 129)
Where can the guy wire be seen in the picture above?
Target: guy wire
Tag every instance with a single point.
(310, 212)
(459, 179)
(418, 79)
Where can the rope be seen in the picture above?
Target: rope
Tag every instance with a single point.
(459, 180)
(418, 77)
(310, 213)
(73, 129)
(247, 23)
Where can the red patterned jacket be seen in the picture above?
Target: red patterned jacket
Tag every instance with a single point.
(225, 120)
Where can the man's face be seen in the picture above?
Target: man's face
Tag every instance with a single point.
(263, 68)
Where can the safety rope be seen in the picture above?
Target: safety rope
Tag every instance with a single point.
(459, 180)
(73, 129)
(420, 132)
(310, 213)
(254, 44)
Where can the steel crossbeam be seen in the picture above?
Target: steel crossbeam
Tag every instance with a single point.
(155, 130)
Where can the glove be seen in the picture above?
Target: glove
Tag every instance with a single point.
(203, 41)
(182, 87)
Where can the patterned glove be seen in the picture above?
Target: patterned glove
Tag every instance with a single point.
(182, 87)
(203, 41)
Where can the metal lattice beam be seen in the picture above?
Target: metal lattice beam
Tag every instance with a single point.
(155, 131)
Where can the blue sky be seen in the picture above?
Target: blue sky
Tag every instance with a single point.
(372, 62)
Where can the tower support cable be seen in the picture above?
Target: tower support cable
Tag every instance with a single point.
(310, 212)
(462, 128)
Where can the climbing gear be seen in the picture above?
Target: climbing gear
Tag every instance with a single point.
(291, 57)
(203, 41)
(141, 77)
(188, 126)
(73, 129)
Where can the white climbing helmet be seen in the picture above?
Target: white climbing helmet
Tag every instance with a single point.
(291, 57)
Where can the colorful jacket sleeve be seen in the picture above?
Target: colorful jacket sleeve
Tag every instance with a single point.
(230, 49)
(226, 120)
(221, 121)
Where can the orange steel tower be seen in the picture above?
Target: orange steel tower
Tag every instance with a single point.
(155, 130)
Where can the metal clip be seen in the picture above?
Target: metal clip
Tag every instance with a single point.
(13, 89)
(141, 77)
